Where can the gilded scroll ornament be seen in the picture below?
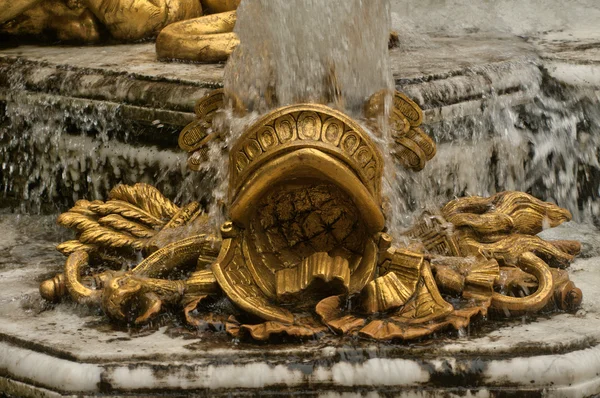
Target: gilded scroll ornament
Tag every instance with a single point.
(305, 251)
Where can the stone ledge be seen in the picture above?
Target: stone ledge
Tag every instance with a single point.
(122, 95)
(573, 374)
(112, 110)
(571, 55)
(131, 74)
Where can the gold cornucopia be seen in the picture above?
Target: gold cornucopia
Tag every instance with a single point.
(304, 251)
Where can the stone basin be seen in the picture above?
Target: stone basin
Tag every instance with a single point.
(63, 350)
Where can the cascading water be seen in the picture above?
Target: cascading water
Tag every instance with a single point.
(336, 53)
(547, 146)
(321, 52)
(53, 154)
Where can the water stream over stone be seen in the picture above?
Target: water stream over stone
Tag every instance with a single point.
(334, 53)
(321, 52)
(54, 154)
(547, 147)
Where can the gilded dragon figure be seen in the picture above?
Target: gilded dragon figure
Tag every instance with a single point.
(304, 251)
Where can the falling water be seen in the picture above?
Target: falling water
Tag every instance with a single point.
(547, 146)
(52, 154)
(322, 51)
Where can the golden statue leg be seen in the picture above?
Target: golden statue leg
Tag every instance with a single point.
(205, 39)
(10, 9)
(56, 19)
(137, 19)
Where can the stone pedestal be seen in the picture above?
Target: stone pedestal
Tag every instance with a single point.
(53, 350)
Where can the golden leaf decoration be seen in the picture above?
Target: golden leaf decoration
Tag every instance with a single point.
(71, 246)
(128, 210)
(333, 271)
(147, 198)
(119, 223)
(331, 313)
(385, 293)
(527, 214)
(83, 207)
(76, 221)
(107, 237)
(483, 274)
(264, 331)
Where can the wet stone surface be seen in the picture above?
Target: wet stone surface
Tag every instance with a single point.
(69, 348)
(116, 112)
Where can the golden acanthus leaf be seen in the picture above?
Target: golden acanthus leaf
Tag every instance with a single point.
(77, 221)
(103, 236)
(128, 210)
(117, 222)
(71, 246)
(147, 198)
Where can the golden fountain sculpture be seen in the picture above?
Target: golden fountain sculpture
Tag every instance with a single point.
(196, 30)
(304, 251)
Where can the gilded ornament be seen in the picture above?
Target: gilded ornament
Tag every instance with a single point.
(306, 234)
